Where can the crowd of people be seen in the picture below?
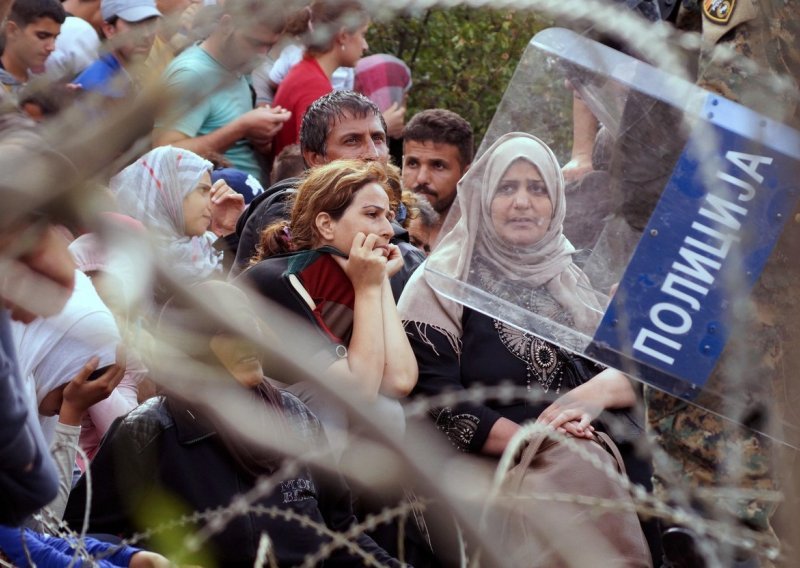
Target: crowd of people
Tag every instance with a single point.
(281, 204)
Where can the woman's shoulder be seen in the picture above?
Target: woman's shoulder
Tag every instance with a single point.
(421, 305)
(302, 79)
(266, 274)
(294, 408)
(303, 421)
(147, 421)
(414, 290)
(153, 410)
(308, 68)
(282, 265)
(269, 267)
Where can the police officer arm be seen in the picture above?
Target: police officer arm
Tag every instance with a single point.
(584, 130)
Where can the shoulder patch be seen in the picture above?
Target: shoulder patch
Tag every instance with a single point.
(719, 11)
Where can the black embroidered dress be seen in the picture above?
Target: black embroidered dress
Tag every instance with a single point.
(491, 353)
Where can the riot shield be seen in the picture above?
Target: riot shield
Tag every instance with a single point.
(684, 232)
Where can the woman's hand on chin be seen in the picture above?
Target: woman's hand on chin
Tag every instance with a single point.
(226, 206)
(366, 264)
(394, 262)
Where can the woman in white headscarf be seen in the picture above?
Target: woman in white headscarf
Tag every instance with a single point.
(112, 280)
(169, 190)
(508, 242)
(69, 363)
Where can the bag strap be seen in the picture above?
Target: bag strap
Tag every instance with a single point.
(517, 474)
(612, 447)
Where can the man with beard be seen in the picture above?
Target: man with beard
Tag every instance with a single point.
(437, 151)
(211, 104)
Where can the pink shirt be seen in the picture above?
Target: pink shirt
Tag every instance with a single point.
(100, 416)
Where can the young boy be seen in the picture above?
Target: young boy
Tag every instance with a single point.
(31, 31)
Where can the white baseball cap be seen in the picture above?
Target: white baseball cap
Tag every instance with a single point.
(129, 10)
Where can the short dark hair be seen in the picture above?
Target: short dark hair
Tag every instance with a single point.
(289, 163)
(326, 111)
(442, 127)
(24, 12)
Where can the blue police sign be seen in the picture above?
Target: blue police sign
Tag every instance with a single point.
(706, 243)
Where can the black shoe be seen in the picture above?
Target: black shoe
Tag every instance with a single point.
(680, 549)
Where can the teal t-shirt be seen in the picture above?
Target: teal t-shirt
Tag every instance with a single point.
(208, 97)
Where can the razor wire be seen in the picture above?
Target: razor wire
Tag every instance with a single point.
(658, 41)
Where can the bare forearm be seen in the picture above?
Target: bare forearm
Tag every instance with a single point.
(584, 127)
(608, 389)
(400, 367)
(217, 141)
(621, 393)
(365, 355)
(70, 414)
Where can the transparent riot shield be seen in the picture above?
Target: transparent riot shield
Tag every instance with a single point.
(685, 232)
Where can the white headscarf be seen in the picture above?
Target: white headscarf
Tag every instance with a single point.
(91, 255)
(152, 190)
(540, 262)
(547, 263)
(52, 350)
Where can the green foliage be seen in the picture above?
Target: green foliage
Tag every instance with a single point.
(163, 510)
(460, 58)
(538, 101)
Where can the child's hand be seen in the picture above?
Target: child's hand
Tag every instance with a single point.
(81, 393)
(145, 559)
(226, 207)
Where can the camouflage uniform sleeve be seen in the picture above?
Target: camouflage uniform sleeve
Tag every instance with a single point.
(762, 70)
(750, 55)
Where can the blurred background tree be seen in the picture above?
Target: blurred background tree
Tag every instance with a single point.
(460, 58)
